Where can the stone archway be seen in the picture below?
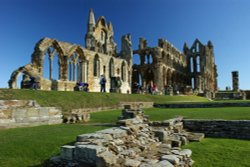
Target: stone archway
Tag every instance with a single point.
(27, 70)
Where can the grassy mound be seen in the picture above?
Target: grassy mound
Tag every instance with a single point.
(71, 100)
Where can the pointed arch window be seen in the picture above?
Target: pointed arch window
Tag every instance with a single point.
(111, 68)
(123, 71)
(198, 64)
(191, 65)
(96, 66)
(51, 64)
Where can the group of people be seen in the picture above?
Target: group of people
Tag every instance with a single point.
(29, 82)
(81, 86)
(150, 88)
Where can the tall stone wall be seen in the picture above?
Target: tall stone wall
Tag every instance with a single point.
(238, 129)
(17, 113)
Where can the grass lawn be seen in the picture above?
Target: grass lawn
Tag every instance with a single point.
(211, 152)
(228, 113)
(68, 100)
(32, 146)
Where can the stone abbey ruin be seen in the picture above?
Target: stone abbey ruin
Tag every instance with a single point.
(165, 66)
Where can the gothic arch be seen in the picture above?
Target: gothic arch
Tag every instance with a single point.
(28, 70)
(111, 68)
(123, 71)
(96, 66)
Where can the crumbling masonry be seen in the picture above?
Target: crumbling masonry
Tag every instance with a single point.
(165, 66)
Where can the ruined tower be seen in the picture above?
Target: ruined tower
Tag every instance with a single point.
(201, 66)
(100, 36)
(235, 80)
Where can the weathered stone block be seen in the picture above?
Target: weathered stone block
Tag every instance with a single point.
(88, 153)
(67, 152)
(32, 112)
(114, 132)
(173, 159)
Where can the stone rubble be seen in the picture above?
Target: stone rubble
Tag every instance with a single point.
(137, 142)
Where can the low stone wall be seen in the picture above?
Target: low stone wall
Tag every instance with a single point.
(229, 95)
(135, 104)
(114, 107)
(204, 105)
(237, 129)
(17, 113)
(136, 143)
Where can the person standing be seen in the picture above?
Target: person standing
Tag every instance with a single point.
(103, 83)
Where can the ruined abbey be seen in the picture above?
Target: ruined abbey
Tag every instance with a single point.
(171, 70)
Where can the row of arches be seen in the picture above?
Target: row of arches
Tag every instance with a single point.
(53, 62)
(75, 67)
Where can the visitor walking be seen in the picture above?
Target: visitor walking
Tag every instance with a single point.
(103, 83)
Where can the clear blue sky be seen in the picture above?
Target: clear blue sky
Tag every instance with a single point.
(225, 22)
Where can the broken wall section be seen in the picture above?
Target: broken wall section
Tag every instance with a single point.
(137, 142)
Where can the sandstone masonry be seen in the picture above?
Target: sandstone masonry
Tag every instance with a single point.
(237, 129)
(172, 71)
(135, 143)
(16, 113)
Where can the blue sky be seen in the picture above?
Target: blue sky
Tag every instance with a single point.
(225, 22)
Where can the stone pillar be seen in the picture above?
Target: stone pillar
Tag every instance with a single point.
(50, 66)
(158, 79)
(235, 80)
(74, 72)
(70, 71)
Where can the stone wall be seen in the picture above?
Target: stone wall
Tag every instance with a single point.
(229, 95)
(204, 105)
(247, 94)
(238, 129)
(135, 143)
(17, 113)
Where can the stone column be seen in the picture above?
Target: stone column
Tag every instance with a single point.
(50, 66)
(70, 71)
(235, 80)
(74, 71)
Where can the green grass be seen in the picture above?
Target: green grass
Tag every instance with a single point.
(227, 113)
(32, 146)
(213, 152)
(68, 100)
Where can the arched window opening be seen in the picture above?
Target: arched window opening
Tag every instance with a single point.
(140, 80)
(96, 66)
(46, 66)
(198, 64)
(191, 65)
(111, 68)
(56, 67)
(149, 59)
(197, 47)
(123, 71)
(51, 64)
(74, 67)
(23, 81)
(192, 83)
